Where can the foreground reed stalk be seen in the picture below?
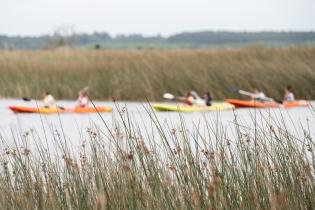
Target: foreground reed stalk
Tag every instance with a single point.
(162, 167)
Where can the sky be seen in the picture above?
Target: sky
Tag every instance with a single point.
(152, 17)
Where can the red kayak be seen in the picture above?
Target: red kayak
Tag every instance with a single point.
(43, 110)
(258, 104)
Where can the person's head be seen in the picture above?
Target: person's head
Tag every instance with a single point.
(208, 94)
(289, 88)
(83, 93)
(188, 94)
(47, 93)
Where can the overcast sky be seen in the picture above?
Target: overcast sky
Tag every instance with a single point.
(151, 17)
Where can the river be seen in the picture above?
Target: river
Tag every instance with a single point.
(73, 127)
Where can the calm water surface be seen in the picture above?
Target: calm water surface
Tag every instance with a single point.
(74, 126)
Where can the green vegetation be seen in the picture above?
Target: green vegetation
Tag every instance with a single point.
(141, 74)
(187, 40)
(262, 167)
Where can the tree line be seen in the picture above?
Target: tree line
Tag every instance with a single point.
(203, 39)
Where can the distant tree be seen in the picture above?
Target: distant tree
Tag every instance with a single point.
(63, 36)
(97, 46)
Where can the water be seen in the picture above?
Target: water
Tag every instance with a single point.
(73, 127)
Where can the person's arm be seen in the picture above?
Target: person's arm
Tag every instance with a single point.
(189, 100)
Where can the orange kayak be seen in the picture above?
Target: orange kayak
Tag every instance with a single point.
(43, 110)
(257, 104)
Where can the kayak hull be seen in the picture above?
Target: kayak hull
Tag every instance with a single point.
(195, 108)
(43, 110)
(92, 109)
(297, 103)
(25, 109)
(257, 104)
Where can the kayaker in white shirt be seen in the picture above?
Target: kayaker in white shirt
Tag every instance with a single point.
(288, 95)
(260, 96)
(197, 100)
(49, 101)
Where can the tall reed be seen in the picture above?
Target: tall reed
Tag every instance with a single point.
(163, 167)
(141, 74)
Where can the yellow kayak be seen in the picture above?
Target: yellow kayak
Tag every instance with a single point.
(195, 108)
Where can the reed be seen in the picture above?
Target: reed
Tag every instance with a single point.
(126, 167)
(141, 74)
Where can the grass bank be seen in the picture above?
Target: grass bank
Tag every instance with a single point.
(124, 167)
(137, 74)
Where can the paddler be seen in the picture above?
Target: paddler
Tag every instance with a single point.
(260, 96)
(288, 95)
(208, 98)
(49, 101)
(189, 99)
(83, 99)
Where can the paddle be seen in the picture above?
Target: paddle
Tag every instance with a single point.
(198, 100)
(170, 96)
(246, 93)
(85, 89)
(30, 99)
(26, 99)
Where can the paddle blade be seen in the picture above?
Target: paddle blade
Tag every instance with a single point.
(61, 107)
(85, 89)
(26, 99)
(168, 96)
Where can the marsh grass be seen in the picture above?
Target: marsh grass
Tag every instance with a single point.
(141, 74)
(163, 166)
